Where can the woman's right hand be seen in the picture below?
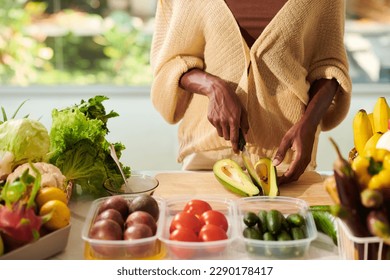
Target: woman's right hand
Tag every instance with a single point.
(225, 111)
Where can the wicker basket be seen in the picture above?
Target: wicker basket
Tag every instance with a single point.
(378, 10)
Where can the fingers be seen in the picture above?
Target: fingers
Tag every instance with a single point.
(219, 130)
(291, 175)
(234, 135)
(281, 152)
(295, 170)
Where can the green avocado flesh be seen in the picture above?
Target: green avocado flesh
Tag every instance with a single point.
(233, 178)
(266, 172)
(251, 171)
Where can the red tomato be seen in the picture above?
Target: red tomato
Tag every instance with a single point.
(183, 234)
(212, 232)
(186, 220)
(186, 235)
(215, 218)
(197, 207)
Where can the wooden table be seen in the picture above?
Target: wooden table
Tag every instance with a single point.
(309, 187)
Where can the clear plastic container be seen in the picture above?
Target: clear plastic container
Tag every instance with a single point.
(264, 249)
(199, 250)
(145, 248)
(358, 248)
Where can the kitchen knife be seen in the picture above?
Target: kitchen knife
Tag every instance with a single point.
(241, 146)
(241, 141)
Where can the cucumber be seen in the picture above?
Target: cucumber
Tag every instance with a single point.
(284, 251)
(325, 223)
(295, 220)
(323, 208)
(283, 236)
(262, 224)
(274, 221)
(297, 233)
(250, 219)
(252, 233)
(285, 224)
(267, 236)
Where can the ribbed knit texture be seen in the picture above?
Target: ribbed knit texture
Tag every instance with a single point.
(303, 42)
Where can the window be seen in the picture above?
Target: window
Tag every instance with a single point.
(82, 42)
(95, 42)
(367, 40)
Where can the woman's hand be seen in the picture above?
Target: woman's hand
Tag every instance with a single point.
(225, 111)
(300, 139)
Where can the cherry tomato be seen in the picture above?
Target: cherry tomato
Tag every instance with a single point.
(215, 218)
(186, 220)
(212, 232)
(197, 207)
(183, 234)
(186, 235)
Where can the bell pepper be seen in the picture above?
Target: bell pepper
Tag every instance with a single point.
(373, 169)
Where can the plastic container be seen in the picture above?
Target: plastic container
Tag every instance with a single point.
(145, 248)
(199, 250)
(261, 249)
(359, 248)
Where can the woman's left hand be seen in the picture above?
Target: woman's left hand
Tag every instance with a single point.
(299, 138)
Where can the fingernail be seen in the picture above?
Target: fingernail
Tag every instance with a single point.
(275, 161)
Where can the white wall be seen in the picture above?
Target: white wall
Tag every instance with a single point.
(151, 143)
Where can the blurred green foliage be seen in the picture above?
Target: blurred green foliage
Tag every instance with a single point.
(117, 55)
(21, 56)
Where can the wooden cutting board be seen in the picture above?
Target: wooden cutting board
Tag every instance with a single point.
(309, 187)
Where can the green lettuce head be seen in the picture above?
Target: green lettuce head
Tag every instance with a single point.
(21, 141)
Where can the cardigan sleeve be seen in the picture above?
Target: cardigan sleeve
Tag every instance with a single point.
(330, 61)
(176, 48)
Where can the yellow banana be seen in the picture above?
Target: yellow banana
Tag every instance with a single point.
(362, 130)
(371, 118)
(380, 115)
(370, 146)
(388, 116)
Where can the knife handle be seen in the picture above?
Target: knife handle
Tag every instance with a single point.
(241, 140)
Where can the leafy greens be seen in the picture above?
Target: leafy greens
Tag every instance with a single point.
(79, 147)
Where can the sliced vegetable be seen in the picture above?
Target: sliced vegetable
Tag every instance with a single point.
(233, 178)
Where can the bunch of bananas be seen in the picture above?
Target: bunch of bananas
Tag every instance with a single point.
(370, 162)
(368, 128)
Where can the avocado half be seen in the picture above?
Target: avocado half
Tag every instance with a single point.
(251, 170)
(233, 178)
(266, 173)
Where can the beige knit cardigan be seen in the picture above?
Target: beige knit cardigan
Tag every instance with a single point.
(302, 43)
